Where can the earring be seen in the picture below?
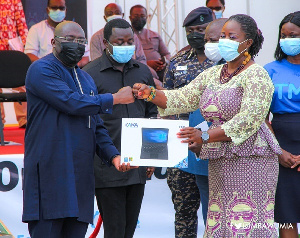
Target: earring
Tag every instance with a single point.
(248, 57)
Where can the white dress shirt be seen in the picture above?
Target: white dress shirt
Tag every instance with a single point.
(39, 38)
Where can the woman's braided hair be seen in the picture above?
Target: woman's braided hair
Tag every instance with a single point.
(251, 30)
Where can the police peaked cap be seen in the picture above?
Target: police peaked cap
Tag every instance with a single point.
(198, 16)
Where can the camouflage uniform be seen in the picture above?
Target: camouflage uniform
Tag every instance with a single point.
(183, 68)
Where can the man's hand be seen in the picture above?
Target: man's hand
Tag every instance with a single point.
(158, 84)
(150, 171)
(123, 96)
(157, 65)
(122, 167)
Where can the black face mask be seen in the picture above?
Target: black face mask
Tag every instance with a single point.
(71, 52)
(138, 23)
(196, 40)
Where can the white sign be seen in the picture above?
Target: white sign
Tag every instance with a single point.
(156, 217)
(153, 142)
(11, 195)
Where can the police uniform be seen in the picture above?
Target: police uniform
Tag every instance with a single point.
(183, 68)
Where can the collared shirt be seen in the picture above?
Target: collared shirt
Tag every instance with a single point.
(12, 22)
(39, 40)
(152, 43)
(183, 68)
(63, 132)
(108, 79)
(97, 46)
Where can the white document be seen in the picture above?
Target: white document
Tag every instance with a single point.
(203, 126)
(16, 44)
(153, 142)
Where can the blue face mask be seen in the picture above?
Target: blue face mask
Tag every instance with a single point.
(57, 16)
(218, 14)
(122, 54)
(229, 49)
(290, 46)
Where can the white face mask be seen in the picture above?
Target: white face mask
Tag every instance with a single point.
(212, 52)
(113, 17)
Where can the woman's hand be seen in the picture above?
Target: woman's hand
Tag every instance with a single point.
(297, 162)
(141, 91)
(286, 159)
(192, 134)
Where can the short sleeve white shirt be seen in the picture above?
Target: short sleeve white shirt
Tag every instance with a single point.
(39, 38)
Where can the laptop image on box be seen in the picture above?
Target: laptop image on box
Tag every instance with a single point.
(154, 143)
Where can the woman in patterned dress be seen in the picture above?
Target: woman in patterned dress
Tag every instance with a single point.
(285, 106)
(242, 151)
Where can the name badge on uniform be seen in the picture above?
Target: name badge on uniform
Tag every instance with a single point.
(181, 67)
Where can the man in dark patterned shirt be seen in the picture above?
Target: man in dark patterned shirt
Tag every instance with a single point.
(184, 183)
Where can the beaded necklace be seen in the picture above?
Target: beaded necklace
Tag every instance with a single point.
(225, 76)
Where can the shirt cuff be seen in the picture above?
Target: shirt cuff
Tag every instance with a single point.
(115, 154)
(29, 51)
(111, 159)
(107, 103)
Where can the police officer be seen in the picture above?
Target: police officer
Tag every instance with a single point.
(185, 183)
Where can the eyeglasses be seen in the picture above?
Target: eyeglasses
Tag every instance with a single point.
(82, 41)
(56, 8)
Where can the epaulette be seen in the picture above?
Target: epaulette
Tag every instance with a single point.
(186, 50)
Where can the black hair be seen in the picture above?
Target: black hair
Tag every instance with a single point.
(293, 18)
(137, 6)
(251, 30)
(115, 23)
(221, 1)
(48, 3)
